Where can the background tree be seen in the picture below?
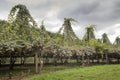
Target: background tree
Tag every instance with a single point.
(89, 35)
(27, 27)
(20, 15)
(68, 34)
(105, 39)
(45, 35)
(117, 41)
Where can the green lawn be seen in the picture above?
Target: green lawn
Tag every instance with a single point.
(103, 72)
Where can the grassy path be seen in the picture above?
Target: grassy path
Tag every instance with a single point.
(103, 72)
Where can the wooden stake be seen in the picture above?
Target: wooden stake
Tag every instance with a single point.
(36, 62)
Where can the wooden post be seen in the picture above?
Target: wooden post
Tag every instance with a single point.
(36, 62)
(98, 58)
(107, 58)
(0, 61)
(118, 60)
(41, 66)
(83, 63)
(88, 59)
(40, 63)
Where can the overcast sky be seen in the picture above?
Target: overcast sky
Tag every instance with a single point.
(105, 14)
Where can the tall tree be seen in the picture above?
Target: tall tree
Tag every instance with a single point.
(105, 39)
(89, 35)
(67, 30)
(65, 36)
(117, 41)
(20, 14)
(44, 33)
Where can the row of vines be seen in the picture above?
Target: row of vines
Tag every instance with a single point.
(20, 37)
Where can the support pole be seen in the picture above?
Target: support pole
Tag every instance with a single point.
(83, 63)
(36, 62)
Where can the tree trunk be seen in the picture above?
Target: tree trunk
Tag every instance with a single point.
(21, 60)
(107, 58)
(83, 63)
(0, 62)
(98, 59)
(61, 59)
(92, 60)
(66, 60)
(12, 61)
(88, 60)
(36, 62)
(77, 60)
(24, 60)
(55, 61)
(118, 60)
(40, 64)
(46, 60)
(102, 58)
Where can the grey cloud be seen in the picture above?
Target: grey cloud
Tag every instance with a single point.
(83, 10)
(4, 6)
(95, 12)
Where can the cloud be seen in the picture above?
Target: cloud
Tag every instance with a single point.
(28, 2)
(3, 15)
(113, 31)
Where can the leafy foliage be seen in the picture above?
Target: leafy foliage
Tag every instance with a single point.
(105, 39)
(89, 33)
(20, 15)
(117, 41)
(20, 35)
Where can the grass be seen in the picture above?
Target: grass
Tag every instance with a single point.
(18, 70)
(102, 72)
(5, 71)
